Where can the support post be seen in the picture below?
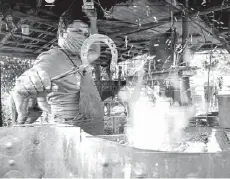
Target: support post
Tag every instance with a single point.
(185, 84)
(176, 92)
(1, 119)
(229, 21)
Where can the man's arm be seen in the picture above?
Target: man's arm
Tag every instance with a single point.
(28, 86)
(19, 107)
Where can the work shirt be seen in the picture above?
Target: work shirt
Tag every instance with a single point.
(76, 97)
(64, 102)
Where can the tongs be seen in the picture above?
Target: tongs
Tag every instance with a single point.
(70, 72)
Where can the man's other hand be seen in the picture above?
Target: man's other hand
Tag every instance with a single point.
(91, 14)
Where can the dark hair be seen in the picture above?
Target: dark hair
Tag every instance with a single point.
(74, 12)
(68, 18)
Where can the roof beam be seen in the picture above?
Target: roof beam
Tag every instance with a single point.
(24, 44)
(30, 38)
(10, 53)
(49, 13)
(31, 18)
(215, 8)
(45, 46)
(16, 49)
(215, 33)
(26, 37)
(43, 31)
(201, 13)
(5, 38)
(131, 30)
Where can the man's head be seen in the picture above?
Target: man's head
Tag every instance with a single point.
(72, 32)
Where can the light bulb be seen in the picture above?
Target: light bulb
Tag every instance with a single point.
(50, 1)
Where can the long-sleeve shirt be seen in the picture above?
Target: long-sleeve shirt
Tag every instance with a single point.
(76, 94)
(64, 101)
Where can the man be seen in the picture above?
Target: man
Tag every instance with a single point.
(73, 99)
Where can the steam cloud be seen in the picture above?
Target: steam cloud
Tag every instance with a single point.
(153, 125)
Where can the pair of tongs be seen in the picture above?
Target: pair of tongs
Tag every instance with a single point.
(70, 72)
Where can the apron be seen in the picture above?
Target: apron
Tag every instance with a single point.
(91, 107)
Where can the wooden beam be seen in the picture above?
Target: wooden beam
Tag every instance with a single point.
(215, 33)
(26, 37)
(5, 38)
(49, 13)
(114, 23)
(203, 12)
(45, 46)
(10, 53)
(43, 31)
(31, 18)
(35, 45)
(30, 38)
(131, 30)
(16, 49)
(139, 41)
(205, 48)
(215, 8)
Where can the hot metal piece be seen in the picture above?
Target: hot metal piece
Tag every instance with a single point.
(84, 54)
(99, 38)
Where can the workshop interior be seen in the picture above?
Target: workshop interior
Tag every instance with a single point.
(115, 89)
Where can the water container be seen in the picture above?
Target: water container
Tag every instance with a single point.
(224, 110)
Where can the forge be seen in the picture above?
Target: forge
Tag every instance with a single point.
(38, 151)
(193, 140)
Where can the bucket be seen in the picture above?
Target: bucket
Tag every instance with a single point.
(25, 29)
(224, 110)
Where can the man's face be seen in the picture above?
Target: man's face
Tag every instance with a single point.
(74, 36)
(78, 30)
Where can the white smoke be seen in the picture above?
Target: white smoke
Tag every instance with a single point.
(153, 124)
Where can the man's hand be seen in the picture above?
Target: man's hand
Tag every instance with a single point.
(91, 14)
(32, 82)
(28, 85)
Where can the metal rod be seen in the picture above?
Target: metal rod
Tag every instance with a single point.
(70, 72)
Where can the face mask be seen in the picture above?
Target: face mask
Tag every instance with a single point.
(72, 42)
